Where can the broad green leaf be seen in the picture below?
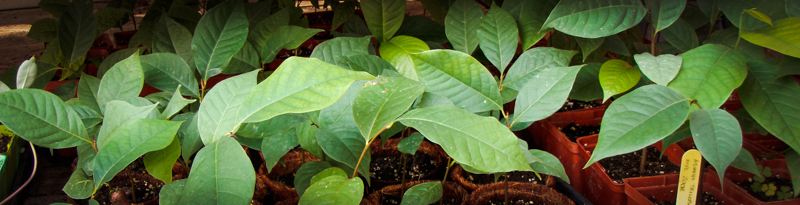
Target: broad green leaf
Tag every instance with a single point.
(26, 73)
(398, 52)
(728, 37)
(544, 94)
(333, 171)
(44, 74)
(682, 133)
(119, 113)
(166, 71)
(56, 8)
(66, 91)
(734, 11)
(277, 125)
(79, 186)
(354, 27)
(746, 162)
(87, 91)
(710, 8)
(176, 104)
(423, 28)
(307, 138)
(588, 45)
(639, 119)
(430, 100)
(793, 163)
(410, 144)
(617, 76)
(123, 81)
(221, 174)
(661, 69)
(595, 19)
(747, 122)
(159, 163)
(161, 99)
(171, 37)
(303, 177)
(758, 15)
(781, 37)
(113, 59)
(275, 146)
(217, 114)
(286, 37)
(381, 101)
(437, 9)
(147, 27)
(587, 84)
(299, 85)
(42, 118)
(709, 74)
(793, 10)
(88, 116)
(219, 35)
(383, 17)
(458, 77)
(129, 142)
(334, 190)
(545, 163)
(717, 135)
(498, 37)
(371, 64)
(614, 44)
(110, 17)
(76, 30)
(261, 32)
(341, 112)
(461, 25)
(172, 193)
(772, 102)
(694, 16)
(188, 134)
(532, 15)
(257, 11)
(460, 133)
(245, 60)
(345, 145)
(681, 35)
(664, 12)
(342, 12)
(532, 61)
(424, 193)
(4, 87)
(335, 50)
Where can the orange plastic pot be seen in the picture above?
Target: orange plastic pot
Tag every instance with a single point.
(778, 168)
(553, 141)
(665, 188)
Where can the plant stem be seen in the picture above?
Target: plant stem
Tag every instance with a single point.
(643, 162)
(740, 32)
(366, 147)
(202, 90)
(403, 179)
(446, 172)
(505, 181)
(710, 29)
(133, 190)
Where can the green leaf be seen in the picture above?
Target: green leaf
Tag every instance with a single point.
(424, 193)
(342, 12)
(532, 61)
(747, 122)
(44, 30)
(381, 101)
(458, 77)
(758, 15)
(597, 19)
(545, 163)
(780, 37)
(286, 37)
(87, 91)
(398, 52)
(617, 76)
(299, 85)
(79, 186)
(683, 132)
(665, 12)
(341, 112)
(110, 17)
(129, 142)
(498, 37)
(345, 145)
(410, 144)
(430, 100)
(333, 51)
(460, 133)
(614, 44)
(172, 193)
(303, 177)
(587, 84)
(219, 35)
(42, 118)
(744, 161)
(532, 15)
(277, 125)
(461, 25)
(333, 171)
(113, 59)
(257, 11)
(188, 135)
(88, 116)
(275, 146)
(166, 71)
(245, 60)
(371, 64)
(793, 163)
(423, 28)
(123, 81)
(709, 74)
(4, 87)
(793, 10)
(221, 174)
(307, 138)
(717, 135)
(176, 104)
(383, 17)
(694, 16)
(171, 37)
(681, 35)
(260, 33)
(733, 10)
(76, 30)
(772, 102)
(661, 69)
(544, 94)
(159, 163)
(437, 9)
(66, 91)
(217, 115)
(710, 8)
(588, 45)
(26, 73)
(56, 8)
(334, 190)
(639, 119)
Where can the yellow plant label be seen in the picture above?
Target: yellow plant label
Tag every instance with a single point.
(5, 131)
(690, 177)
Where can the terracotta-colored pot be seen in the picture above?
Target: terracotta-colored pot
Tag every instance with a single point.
(553, 141)
(539, 194)
(296, 200)
(293, 161)
(451, 190)
(390, 149)
(778, 168)
(458, 174)
(664, 188)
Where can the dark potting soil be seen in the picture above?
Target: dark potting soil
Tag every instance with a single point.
(286, 179)
(575, 131)
(511, 202)
(120, 187)
(389, 167)
(627, 165)
(708, 199)
(516, 176)
(396, 200)
(761, 195)
(577, 105)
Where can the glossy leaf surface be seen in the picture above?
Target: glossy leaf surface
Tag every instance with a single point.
(661, 69)
(42, 118)
(217, 114)
(544, 94)
(617, 76)
(424, 193)
(219, 35)
(498, 37)
(595, 19)
(222, 174)
(461, 25)
(709, 74)
(717, 135)
(781, 37)
(458, 77)
(383, 17)
(381, 101)
(166, 71)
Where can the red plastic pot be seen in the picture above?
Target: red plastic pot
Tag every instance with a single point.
(598, 186)
(590, 116)
(553, 141)
(769, 141)
(778, 167)
(664, 188)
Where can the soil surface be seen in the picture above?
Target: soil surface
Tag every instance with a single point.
(577, 105)
(708, 199)
(511, 202)
(627, 165)
(286, 179)
(516, 176)
(389, 167)
(4, 140)
(119, 189)
(575, 131)
(778, 182)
